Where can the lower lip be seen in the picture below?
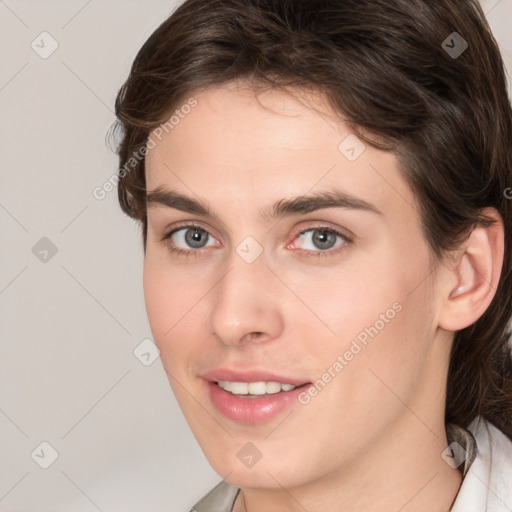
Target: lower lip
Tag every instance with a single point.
(255, 409)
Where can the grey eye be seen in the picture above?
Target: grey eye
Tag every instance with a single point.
(196, 238)
(191, 237)
(323, 239)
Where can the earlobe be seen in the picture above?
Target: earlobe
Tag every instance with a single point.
(476, 275)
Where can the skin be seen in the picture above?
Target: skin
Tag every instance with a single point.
(372, 439)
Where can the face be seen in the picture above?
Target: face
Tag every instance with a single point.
(278, 252)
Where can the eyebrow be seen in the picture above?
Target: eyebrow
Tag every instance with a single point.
(299, 205)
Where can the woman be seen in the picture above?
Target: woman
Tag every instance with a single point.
(324, 194)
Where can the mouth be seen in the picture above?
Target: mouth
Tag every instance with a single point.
(252, 397)
(257, 389)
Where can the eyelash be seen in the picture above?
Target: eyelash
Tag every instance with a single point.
(318, 254)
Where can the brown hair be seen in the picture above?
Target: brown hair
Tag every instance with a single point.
(395, 70)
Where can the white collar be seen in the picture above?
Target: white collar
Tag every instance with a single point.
(487, 485)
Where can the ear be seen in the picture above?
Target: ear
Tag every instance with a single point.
(473, 275)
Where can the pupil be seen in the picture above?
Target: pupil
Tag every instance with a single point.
(324, 239)
(195, 237)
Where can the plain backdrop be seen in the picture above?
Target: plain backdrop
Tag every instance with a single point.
(74, 396)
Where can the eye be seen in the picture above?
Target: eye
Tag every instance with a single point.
(319, 239)
(189, 237)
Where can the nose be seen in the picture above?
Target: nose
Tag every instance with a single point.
(245, 304)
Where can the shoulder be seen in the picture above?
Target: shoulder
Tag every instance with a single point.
(220, 499)
(487, 485)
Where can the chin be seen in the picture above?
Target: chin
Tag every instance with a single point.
(263, 474)
(262, 478)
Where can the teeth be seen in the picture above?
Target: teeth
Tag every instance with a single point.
(254, 388)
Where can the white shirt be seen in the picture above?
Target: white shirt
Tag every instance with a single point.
(487, 485)
(487, 473)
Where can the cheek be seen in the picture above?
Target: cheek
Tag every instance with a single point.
(171, 297)
(349, 297)
(378, 315)
(161, 306)
(381, 346)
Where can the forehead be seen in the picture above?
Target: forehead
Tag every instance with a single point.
(233, 119)
(237, 147)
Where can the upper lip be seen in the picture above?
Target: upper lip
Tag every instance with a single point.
(233, 375)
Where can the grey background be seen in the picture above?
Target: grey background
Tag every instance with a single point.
(70, 321)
